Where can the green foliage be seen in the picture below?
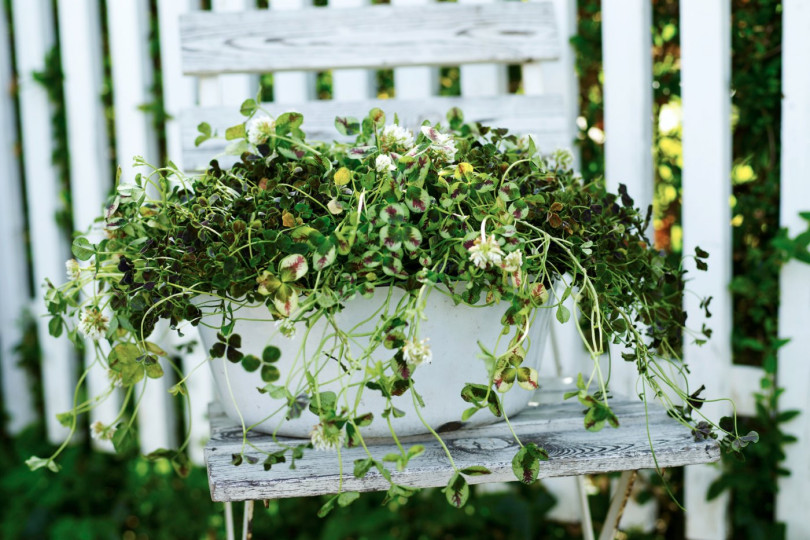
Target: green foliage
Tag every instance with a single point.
(588, 45)
(124, 495)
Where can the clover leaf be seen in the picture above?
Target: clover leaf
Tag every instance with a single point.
(227, 347)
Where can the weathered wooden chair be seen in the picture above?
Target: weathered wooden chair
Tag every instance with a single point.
(215, 45)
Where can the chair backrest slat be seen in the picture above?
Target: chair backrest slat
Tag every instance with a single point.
(368, 37)
(540, 116)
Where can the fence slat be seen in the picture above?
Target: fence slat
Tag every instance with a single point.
(558, 76)
(14, 293)
(90, 177)
(179, 91)
(486, 80)
(33, 38)
(132, 78)
(236, 88)
(745, 382)
(291, 86)
(627, 64)
(705, 88)
(794, 307)
(352, 84)
(132, 73)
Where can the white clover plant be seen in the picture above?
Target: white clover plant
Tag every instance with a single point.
(305, 227)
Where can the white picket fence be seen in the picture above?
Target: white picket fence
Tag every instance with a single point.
(705, 42)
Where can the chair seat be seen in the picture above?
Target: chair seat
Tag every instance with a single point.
(550, 422)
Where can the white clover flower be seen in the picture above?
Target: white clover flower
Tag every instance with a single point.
(326, 441)
(260, 128)
(442, 143)
(513, 261)
(72, 269)
(393, 135)
(286, 327)
(100, 432)
(93, 324)
(486, 251)
(383, 163)
(417, 352)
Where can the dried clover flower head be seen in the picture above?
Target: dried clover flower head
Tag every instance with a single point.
(513, 261)
(93, 323)
(116, 378)
(101, 432)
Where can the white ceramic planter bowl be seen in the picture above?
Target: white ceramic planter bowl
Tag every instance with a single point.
(453, 333)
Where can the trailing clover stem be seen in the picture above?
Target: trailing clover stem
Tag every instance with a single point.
(315, 391)
(236, 406)
(506, 172)
(138, 401)
(652, 365)
(185, 376)
(151, 308)
(425, 291)
(365, 448)
(187, 439)
(594, 344)
(74, 415)
(393, 433)
(430, 429)
(302, 192)
(652, 450)
(509, 425)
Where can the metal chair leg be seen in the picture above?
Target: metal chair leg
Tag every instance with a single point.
(584, 510)
(229, 530)
(617, 504)
(247, 521)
